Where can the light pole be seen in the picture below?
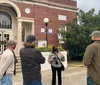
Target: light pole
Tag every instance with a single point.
(46, 20)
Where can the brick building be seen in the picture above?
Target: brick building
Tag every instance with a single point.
(18, 18)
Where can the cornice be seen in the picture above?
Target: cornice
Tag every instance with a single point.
(49, 3)
(55, 4)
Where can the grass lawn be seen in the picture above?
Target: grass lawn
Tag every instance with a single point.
(74, 63)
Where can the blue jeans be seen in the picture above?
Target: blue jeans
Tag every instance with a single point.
(90, 81)
(33, 83)
(0, 82)
(6, 80)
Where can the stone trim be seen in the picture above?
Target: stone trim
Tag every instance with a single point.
(51, 4)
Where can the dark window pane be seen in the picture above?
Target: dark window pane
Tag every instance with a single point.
(5, 20)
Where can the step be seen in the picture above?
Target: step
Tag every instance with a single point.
(18, 65)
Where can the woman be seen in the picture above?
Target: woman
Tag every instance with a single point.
(55, 59)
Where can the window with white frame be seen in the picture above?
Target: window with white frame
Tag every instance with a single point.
(63, 27)
(62, 17)
(5, 20)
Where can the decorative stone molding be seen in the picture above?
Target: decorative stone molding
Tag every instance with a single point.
(55, 4)
(9, 2)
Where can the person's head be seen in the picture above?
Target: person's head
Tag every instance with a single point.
(95, 35)
(54, 49)
(11, 44)
(30, 41)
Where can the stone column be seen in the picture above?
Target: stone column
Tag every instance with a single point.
(33, 30)
(19, 37)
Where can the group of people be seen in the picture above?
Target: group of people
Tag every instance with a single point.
(31, 60)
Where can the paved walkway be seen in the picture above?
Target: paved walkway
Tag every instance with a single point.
(71, 76)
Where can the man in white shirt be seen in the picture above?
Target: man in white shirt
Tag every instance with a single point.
(7, 63)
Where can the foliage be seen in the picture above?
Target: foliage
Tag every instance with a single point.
(45, 49)
(77, 37)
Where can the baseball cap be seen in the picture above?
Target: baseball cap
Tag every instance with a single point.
(95, 33)
(11, 42)
(30, 38)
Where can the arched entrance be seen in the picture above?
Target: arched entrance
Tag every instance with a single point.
(5, 29)
(19, 26)
(9, 24)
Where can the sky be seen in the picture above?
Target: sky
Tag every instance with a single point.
(87, 5)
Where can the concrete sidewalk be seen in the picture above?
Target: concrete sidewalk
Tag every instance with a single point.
(71, 76)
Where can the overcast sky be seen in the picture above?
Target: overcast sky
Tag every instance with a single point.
(86, 5)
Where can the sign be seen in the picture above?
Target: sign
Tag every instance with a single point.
(42, 30)
(49, 30)
(59, 36)
(41, 43)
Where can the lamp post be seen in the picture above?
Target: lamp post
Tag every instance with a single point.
(46, 20)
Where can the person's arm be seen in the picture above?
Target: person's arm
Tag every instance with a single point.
(5, 65)
(40, 57)
(62, 57)
(87, 58)
(50, 58)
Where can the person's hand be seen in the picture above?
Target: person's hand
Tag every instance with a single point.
(62, 57)
(54, 59)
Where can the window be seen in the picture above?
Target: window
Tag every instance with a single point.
(62, 17)
(63, 27)
(5, 20)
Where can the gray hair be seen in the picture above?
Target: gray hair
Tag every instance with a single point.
(11, 42)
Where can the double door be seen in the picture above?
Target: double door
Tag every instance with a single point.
(4, 37)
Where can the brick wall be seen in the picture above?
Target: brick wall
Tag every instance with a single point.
(40, 12)
(43, 12)
(23, 6)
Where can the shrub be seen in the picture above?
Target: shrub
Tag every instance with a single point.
(45, 49)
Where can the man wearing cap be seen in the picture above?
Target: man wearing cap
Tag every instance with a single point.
(31, 59)
(7, 64)
(91, 59)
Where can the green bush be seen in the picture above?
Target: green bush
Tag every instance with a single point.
(45, 49)
(60, 48)
(77, 38)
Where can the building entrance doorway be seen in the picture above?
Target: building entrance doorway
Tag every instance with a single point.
(6, 31)
(4, 37)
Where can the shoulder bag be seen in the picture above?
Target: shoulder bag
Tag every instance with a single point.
(62, 66)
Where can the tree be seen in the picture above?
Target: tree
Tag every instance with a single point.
(77, 37)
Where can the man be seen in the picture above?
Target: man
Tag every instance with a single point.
(7, 64)
(31, 59)
(91, 59)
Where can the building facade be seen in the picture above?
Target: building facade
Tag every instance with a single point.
(19, 18)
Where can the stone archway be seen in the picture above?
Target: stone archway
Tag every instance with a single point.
(13, 5)
(9, 3)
